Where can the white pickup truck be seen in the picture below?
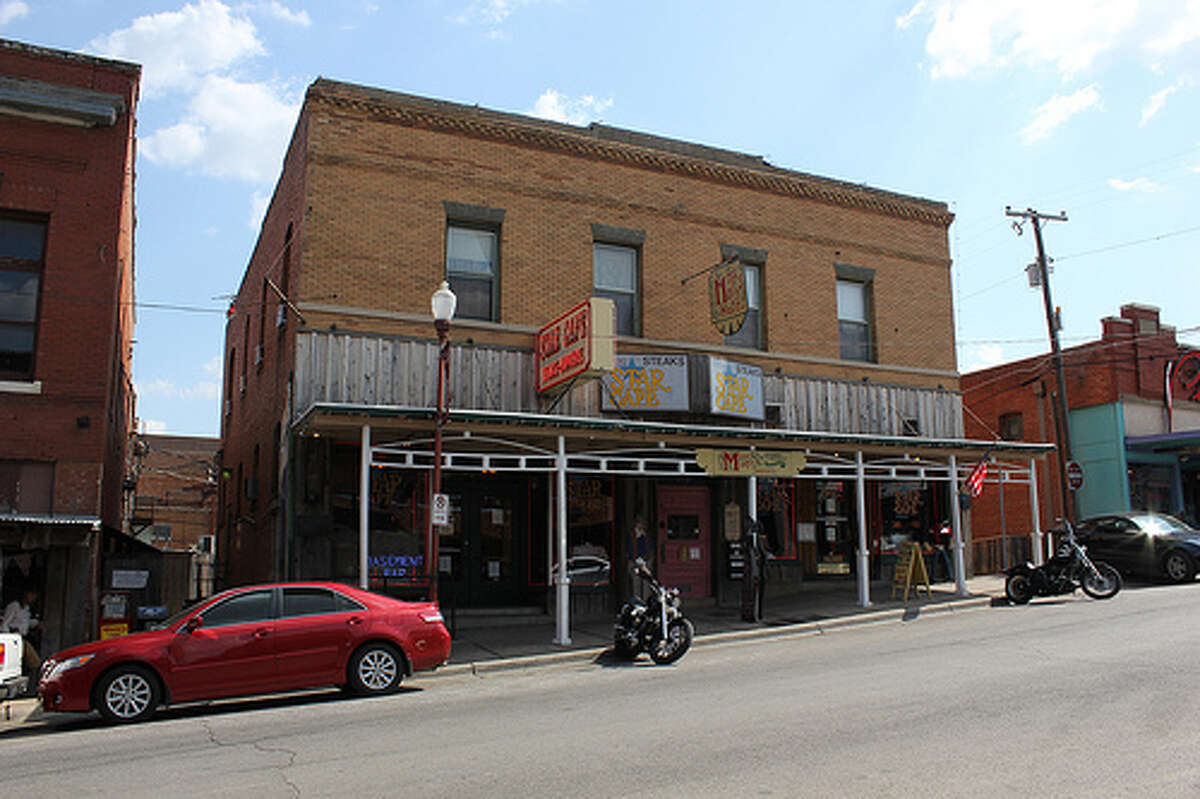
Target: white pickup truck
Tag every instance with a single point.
(12, 684)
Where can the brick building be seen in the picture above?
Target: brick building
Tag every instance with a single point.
(66, 324)
(1134, 424)
(175, 506)
(845, 360)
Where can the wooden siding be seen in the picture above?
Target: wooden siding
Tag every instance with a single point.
(377, 370)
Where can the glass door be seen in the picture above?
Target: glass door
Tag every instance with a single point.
(478, 550)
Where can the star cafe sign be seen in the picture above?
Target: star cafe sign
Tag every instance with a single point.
(579, 343)
(750, 462)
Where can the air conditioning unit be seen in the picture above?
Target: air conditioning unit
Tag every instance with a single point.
(281, 315)
(258, 355)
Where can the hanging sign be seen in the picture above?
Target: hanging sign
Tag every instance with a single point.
(579, 343)
(647, 383)
(735, 389)
(727, 299)
(750, 462)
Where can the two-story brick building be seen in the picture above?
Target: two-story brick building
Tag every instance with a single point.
(1134, 397)
(66, 324)
(845, 361)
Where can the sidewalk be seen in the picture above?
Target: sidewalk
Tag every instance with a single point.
(490, 643)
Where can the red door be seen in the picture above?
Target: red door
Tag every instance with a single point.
(231, 653)
(684, 543)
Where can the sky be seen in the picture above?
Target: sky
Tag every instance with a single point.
(1088, 107)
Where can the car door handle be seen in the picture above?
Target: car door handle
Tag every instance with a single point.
(354, 620)
(262, 632)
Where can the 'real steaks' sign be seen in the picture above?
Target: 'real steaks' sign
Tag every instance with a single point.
(579, 343)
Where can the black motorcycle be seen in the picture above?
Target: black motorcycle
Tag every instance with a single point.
(1070, 568)
(641, 623)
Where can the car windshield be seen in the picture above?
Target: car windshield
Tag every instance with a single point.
(1161, 524)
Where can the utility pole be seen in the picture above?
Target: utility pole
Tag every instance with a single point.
(1052, 324)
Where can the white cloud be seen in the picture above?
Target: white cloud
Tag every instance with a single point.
(167, 389)
(983, 356)
(558, 107)
(13, 10)
(230, 130)
(1156, 103)
(281, 12)
(153, 427)
(212, 367)
(1144, 185)
(1057, 110)
(178, 48)
(1069, 35)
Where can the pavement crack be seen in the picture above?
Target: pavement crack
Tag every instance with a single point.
(259, 746)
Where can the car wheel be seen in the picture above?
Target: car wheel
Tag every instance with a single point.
(127, 694)
(1179, 567)
(376, 668)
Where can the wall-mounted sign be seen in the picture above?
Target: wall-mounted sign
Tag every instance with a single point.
(647, 383)
(130, 578)
(735, 389)
(579, 343)
(747, 462)
(727, 299)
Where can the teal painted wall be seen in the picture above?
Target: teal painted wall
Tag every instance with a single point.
(1098, 443)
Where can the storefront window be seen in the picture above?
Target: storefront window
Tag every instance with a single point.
(775, 514)
(906, 514)
(397, 533)
(833, 529)
(589, 530)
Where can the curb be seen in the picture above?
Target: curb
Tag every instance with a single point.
(799, 629)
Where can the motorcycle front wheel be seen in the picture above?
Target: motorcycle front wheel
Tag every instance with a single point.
(679, 638)
(1103, 583)
(1018, 588)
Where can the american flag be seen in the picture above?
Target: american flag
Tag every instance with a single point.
(976, 478)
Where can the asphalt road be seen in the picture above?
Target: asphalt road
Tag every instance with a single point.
(1061, 697)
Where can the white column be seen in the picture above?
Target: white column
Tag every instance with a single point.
(563, 591)
(960, 576)
(364, 505)
(864, 556)
(1036, 535)
(752, 500)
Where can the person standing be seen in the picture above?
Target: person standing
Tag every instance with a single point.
(18, 618)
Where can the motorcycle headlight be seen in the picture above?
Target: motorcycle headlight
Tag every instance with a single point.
(68, 664)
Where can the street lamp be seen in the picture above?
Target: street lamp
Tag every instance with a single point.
(442, 304)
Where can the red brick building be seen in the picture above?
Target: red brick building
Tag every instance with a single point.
(1134, 424)
(845, 359)
(66, 323)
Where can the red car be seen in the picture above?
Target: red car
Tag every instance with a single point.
(252, 640)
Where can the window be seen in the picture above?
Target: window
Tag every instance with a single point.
(471, 271)
(304, 601)
(751, 333)
(244, 608)
(22, 247)
(854, 320)
(26, 487)
(1012, 426)
(615, 276)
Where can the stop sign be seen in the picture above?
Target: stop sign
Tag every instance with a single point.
(1074, 475)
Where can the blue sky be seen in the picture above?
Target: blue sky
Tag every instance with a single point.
(1084, 106)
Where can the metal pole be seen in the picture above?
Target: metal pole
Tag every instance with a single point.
(563, 591)
(1037, 513)
(1003, 522)
(364, 505)
(864, 557)
(960, 577)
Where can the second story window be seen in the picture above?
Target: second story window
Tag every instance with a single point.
(1012, 426)
(615, 276)
(471, 271)
(856, 333)
(22, 244)
(751, 334)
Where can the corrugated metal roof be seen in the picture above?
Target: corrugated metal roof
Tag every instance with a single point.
(47, 518)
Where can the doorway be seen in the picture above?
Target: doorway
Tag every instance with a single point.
(684, 543)
(480, 555)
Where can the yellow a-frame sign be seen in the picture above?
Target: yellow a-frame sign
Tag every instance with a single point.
(910, 571)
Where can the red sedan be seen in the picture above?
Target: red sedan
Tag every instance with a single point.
(252, 640)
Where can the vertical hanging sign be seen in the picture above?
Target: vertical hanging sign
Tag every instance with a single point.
(727, 299)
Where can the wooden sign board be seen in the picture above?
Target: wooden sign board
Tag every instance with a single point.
(728, 303)
(579, 343)
(747, 462)
(910, 571)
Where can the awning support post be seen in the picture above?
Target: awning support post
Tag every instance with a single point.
(364, 505)
(1036, 535)
(864, 555)
(562, 602)
(960, 576)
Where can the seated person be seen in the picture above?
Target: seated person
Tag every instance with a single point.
(18, 618)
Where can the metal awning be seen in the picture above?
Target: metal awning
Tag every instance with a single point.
(1184, 441)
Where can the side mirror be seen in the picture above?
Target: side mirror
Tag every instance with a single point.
(193, 624)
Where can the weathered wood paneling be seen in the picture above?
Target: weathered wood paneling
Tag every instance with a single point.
(375, 370)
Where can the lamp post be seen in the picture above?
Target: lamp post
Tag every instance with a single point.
(442, 303)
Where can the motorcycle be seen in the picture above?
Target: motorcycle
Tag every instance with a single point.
(655, 625)
(1070, 568)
